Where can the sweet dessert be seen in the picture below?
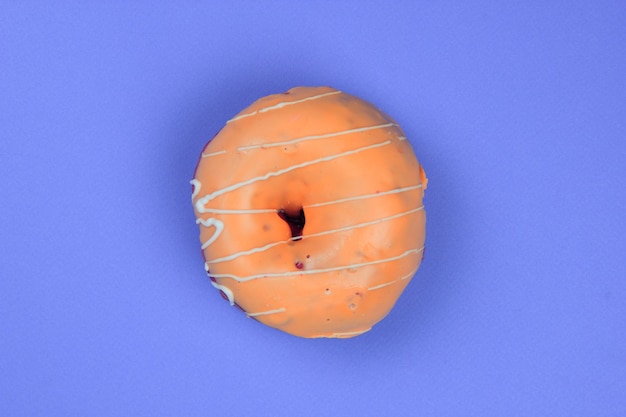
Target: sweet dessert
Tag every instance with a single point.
(310, 211)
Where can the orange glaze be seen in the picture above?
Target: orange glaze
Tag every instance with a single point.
(351, 171)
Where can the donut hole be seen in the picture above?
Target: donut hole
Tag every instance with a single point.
(294, 219)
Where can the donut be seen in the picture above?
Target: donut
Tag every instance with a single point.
(309, 205)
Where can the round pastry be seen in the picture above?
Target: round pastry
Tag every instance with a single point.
(310, 212)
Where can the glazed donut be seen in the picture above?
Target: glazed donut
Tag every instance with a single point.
(310, 211)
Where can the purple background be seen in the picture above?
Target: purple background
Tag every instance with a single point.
(518, 113)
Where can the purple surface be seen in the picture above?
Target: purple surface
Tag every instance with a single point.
(517, 112)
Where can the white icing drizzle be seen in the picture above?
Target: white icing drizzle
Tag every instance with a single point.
(265, 313)
(206, 155)
(202, 201)
(401, 137)
(350, 333)
(315, 137)
(241, 211)
(308, 236)
(409, 275)
(282, 104)
(229, 294)
(219, 227)
(325, 203)
(382, 285)
(196, 188)
(366, 196)
(320, 270)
